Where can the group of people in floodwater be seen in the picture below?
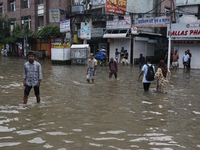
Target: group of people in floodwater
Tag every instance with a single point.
(33, 71)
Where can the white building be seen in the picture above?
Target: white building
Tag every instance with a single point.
(186, 32)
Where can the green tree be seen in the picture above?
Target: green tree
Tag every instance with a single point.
(48, 31)
(4, 29)
(16, 33)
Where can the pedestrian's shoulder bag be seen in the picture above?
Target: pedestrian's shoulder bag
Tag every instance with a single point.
(150, 73)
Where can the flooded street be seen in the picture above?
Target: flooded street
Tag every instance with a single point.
(106, 115)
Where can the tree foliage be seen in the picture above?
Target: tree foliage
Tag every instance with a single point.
(4, 29)
(49, 31)
(16, 33)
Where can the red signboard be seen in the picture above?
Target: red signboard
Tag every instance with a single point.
(116, 6)
(185, 42)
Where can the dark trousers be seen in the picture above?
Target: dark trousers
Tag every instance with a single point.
(146, 86)
(189, 64)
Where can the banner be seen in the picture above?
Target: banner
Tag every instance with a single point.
(127, 18)
(115, 18)
(184, 30)
(152, 22)
(65, 26)
(54, 15)
(85, 31)
(134, 30)
(121, 24)
(116, 6)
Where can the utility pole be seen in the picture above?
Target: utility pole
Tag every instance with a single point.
(24, 38)
(169, 45)
(132, 40)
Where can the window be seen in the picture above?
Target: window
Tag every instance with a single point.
(12, 25)
(26, 20)
(1, 8)
(27, 3)
(12, 5)
(40, 21)
(40, 1)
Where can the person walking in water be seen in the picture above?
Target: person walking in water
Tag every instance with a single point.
(186, 59)
(32, 77)
(161, 76)
(113, 68)
(142, 60)
(116, 54)
(175, 60)
(145, 69)
(189, 58)
(91, 68)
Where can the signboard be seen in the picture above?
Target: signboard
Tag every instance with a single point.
(121, 24)
(127, 18)
(54, 15)
(65, 26)
(98, 2)
(134, 30)
(95, 32)
(115, 18)
(116, 6)
(85, 31)
(184, 30)
(152, 22)
(110, 40)
(185, 42)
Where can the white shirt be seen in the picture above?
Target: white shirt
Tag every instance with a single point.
(185, 58)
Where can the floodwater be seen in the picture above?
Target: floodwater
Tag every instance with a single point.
(106, 115)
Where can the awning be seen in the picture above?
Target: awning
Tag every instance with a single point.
(120, 34)
(113, 35)
(80, 46)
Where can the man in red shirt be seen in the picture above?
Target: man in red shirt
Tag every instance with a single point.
(175, 58)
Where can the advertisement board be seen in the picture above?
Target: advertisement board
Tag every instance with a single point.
(152, 22)
(54, 15)
(184, 30)
(65, 26)
(85, 32)
(121, 24)
(116, 6)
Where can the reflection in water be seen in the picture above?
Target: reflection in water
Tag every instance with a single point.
(114, 114)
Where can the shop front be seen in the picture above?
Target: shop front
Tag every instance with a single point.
(186, 37)
(118, 35)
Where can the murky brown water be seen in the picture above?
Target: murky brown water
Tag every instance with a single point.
(74, 115)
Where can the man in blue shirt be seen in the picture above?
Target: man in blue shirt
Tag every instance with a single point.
(186, 59)
(146, 83)
(125, 59)
(142, 60)
(32, 77)
(122, 54)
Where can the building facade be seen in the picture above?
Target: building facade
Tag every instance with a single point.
(187, 22)
(33, 12)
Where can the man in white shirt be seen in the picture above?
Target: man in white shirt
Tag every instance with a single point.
(145, 82)
(186, 59)
(91, 69)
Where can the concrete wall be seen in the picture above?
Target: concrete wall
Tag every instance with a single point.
(194, 50)
(138, 6)
(187, 2)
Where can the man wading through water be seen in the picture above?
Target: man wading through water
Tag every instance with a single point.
(91, 69)
(32, 77)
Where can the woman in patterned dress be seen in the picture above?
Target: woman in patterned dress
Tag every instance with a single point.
(161, 76)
